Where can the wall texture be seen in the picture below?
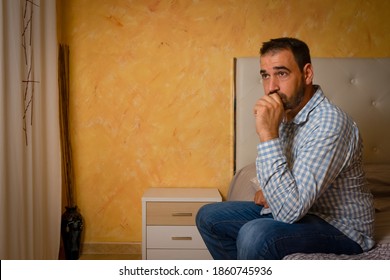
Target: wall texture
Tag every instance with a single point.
(152, 89)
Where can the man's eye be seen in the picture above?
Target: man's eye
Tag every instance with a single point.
(264, 76)
(283, 74)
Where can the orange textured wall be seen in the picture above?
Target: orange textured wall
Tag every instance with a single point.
(152, 89)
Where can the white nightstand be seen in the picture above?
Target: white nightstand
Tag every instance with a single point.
(168, 223)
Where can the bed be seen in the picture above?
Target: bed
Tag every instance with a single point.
(361, 87)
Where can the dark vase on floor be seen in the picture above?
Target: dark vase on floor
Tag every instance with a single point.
(71, 230)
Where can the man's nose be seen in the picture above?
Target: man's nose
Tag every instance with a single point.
(273, 85)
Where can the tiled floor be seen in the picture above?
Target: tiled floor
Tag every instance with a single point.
(107, 251)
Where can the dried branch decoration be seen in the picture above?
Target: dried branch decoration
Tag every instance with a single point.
(66, 148)
(28, 82)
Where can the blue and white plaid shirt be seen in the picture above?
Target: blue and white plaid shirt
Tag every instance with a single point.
(315, 166)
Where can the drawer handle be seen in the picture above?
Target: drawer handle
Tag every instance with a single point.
(181, 238)
(182, 214)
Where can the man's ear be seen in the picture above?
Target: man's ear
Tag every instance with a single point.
(308, 73)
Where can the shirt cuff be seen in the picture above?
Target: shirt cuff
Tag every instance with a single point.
(265, 211)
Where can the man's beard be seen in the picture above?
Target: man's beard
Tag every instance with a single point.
(295, 101)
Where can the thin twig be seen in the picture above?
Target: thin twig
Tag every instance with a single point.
(66, 147)
(28, 56)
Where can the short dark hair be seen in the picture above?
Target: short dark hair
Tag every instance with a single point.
(299, 49)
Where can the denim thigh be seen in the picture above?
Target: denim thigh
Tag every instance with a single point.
(270, 239)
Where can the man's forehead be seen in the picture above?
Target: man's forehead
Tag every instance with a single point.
(277, 60)
(276, 68)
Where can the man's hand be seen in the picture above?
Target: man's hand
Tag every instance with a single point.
(260, 199)
(269, 113)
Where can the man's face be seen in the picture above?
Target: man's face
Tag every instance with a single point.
(281, 75)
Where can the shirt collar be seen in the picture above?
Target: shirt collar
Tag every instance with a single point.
(316, 99)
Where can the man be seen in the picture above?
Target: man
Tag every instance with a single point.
(313, 196)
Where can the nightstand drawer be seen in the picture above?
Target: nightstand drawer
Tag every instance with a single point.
(172, 213)
(174, 237)
(178, 254)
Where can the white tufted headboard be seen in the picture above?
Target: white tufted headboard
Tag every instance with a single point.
(360, 86)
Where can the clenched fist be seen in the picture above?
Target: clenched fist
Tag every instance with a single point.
(259, 199)
(269, 113)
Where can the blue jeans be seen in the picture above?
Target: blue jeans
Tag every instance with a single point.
(236, 230)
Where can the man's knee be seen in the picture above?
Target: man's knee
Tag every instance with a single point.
(254, 238)
(205, 214)
(202, 213)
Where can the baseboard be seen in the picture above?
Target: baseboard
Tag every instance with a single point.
(131, 248)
